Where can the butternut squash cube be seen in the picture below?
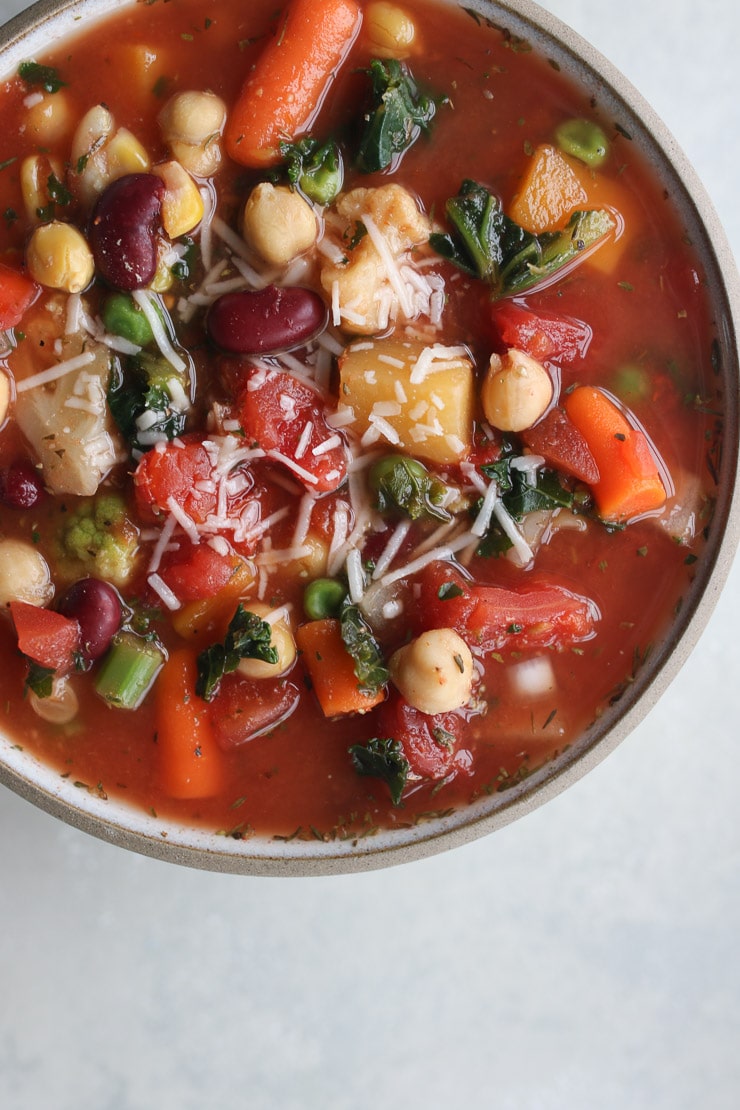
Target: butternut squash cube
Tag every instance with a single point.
(416, 398)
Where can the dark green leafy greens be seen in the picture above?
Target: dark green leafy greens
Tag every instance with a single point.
(403, 484)
(382, 759)
(521, 492)
(315, 168)
(40, 679)
(143, 386)
(399, 114)
(370, 670)
(489, 245)
(247, 637)
(45, 77)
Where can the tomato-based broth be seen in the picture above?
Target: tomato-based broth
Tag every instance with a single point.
(362, 428)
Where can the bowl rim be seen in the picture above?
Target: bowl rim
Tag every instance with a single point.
(31, 31)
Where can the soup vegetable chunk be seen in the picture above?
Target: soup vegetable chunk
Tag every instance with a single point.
(359, 424)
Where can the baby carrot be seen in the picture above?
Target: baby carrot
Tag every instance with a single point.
(331, 669)
(629, 481)
(286, 88)
(191, 763)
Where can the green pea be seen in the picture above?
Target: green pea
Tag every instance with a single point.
(388, 467)
(583, 139)
(122, 316)
(323, 598)
(632, 383)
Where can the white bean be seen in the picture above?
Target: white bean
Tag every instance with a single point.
(24, 574)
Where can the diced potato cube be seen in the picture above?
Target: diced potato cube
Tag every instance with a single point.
(417, 398)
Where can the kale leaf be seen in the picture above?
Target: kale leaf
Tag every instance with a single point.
(370, 669)
(521, 492)
(316, 169)
(489, 245)
(399, 114)
(382, 759)
(247, 637)
(142, 386)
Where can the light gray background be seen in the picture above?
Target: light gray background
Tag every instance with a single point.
(585, 958)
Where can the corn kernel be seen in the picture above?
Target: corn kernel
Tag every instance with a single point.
(182, 206)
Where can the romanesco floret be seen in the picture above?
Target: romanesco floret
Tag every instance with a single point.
(99, 539)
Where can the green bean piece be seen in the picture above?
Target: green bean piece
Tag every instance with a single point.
(122, 316)
(323, 598)
(584, 140)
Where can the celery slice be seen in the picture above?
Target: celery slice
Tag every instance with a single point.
(128, 670)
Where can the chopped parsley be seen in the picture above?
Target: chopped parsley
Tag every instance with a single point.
(45, 77)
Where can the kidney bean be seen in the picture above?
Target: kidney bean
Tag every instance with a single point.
(97, 608)
(123, 230)
(266, 321)
(21, 486)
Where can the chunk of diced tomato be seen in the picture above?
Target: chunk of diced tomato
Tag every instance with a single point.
(561, 445)
(45, 636)
(287, 419)
(496, 618)
(17, 293)
(181, 470)
(197, 571)
(246, 708)
(545, 336)
(430, 743)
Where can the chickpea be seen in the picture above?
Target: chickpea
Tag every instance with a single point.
(282, 641)
(57, 256)
(24, 574)
(516, 391)
(434, 672)
(191, 123)
(278, 223)
(390, 30)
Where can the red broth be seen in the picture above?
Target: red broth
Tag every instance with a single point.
(646, 339)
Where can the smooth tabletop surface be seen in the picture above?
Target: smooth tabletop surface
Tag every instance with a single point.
(586, 957)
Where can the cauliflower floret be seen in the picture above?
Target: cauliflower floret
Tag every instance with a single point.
(98, 539)
(365, 293)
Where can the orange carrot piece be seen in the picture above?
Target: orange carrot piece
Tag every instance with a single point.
(629, 479)
(331, 669)
(549, 194)
(286, 88)
(205, 621)
(191, 763)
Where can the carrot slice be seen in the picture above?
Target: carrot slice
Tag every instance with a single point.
(191, 763)
(331, 669)
(629, 479)
(286, 88)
